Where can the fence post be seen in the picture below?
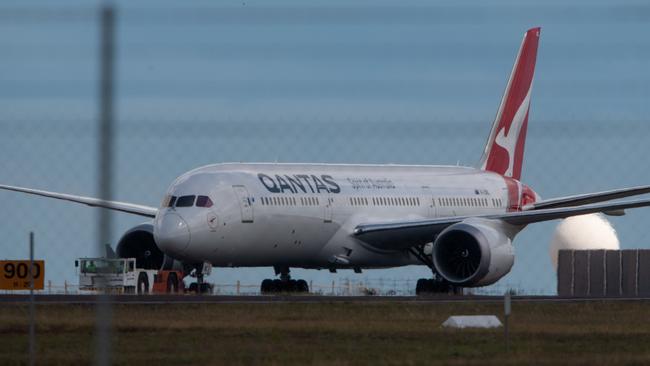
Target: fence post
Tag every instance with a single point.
(238, 285)
(32, 331)
(103, 311)
(506, 312)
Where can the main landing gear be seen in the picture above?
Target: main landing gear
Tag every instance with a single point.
(284, 284)
(427, 286)
(435, 285)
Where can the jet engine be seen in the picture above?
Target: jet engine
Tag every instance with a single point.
(139, 243)
(473, 253)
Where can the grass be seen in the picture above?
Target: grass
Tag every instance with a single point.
(336, 333)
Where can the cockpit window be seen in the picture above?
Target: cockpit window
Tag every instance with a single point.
(203, 201)
(185, 201)
(172, 200)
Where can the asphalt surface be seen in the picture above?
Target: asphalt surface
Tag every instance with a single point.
(202, 299)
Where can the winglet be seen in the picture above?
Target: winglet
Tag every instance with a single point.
(504, 151)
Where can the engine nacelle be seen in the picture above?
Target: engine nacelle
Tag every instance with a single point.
(139, 243)
(473, 253)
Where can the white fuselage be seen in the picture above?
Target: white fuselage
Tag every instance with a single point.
(303, 215)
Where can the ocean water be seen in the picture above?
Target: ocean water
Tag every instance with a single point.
(390, 82)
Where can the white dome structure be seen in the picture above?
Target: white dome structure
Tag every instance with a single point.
(583, 232)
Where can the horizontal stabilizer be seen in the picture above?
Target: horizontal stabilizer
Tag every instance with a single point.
(588, 198)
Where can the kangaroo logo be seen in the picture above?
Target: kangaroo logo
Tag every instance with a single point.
(509, 141)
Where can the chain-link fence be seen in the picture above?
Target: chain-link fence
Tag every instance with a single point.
(357, 84)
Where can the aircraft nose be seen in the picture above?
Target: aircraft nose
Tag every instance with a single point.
(172, 233)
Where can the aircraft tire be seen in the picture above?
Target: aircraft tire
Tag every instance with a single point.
(419, 287)
(291, 286)
(266, 286)
(205, 288)
(277, 286)
(301, 286)
(194, 287)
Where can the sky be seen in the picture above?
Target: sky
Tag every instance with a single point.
(409, 82)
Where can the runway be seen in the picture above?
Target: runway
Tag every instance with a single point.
(271, 299)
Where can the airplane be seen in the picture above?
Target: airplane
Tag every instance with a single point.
(458, 221)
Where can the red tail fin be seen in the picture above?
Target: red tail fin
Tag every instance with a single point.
(504, 151)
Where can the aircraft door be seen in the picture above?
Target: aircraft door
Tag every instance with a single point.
(328, 212)
(430, 202)
(245, 203)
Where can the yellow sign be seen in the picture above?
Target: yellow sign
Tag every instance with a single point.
(14, 275)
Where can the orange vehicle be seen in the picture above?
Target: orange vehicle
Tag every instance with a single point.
(168, 282)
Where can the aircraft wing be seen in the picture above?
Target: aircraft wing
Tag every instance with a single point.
(588, 198)
(406, 234)
(94, 202)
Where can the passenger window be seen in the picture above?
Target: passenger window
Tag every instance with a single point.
(203, 201)
(185, 201)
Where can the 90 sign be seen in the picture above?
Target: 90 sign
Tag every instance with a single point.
(15, 275)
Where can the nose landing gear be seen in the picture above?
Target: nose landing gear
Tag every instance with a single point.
(199, 286)
(283, 285)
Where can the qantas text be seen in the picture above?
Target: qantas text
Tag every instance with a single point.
(299, 183)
